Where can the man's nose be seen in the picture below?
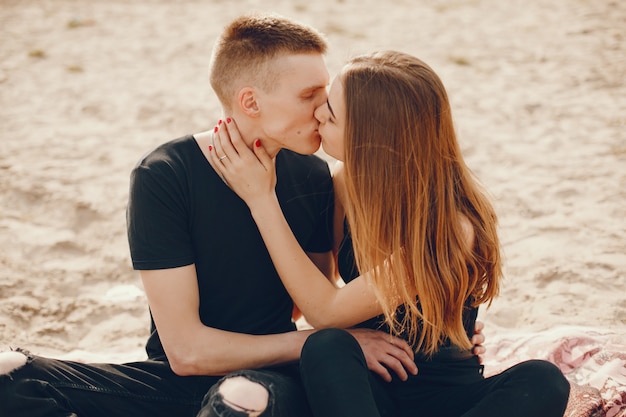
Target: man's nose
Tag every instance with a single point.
(319, 114)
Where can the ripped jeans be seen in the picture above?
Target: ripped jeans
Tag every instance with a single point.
(45, 387)
(286, 399)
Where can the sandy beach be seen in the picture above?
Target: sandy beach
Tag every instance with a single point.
(538, 90)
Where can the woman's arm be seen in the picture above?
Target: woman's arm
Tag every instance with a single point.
(322, 304)
(252, 176)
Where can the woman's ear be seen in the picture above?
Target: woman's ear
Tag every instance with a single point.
(247, 101)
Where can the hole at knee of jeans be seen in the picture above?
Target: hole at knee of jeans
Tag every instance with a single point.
(244, 395)
(11, 361)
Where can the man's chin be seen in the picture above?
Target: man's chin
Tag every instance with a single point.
(307, 149)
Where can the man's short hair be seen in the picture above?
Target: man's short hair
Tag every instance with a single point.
(247, 46)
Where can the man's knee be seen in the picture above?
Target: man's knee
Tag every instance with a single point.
(244, 395)
(236, 395)
(12, 360)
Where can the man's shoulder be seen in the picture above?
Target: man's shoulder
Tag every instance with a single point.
(167, 153)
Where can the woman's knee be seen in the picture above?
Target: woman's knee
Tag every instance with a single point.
(559, 385)
(328, 343)
(328, 352)
(547, 381)
(548, 376)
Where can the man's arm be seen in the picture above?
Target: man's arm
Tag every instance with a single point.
(195, 349)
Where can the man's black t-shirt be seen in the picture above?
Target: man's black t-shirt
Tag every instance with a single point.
(180, 212)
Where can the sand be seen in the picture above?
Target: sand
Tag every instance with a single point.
(538, 90)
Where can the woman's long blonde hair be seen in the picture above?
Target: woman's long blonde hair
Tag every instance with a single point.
(408, 187)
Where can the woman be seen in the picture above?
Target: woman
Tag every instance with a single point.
(423, 234)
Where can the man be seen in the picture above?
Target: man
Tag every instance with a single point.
(215, 311)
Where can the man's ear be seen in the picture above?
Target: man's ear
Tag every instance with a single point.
(247, 99)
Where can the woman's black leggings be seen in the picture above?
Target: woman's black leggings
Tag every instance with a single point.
(338, 384)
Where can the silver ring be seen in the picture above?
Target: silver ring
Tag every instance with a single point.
(222, 157)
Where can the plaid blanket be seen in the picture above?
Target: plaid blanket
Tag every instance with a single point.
(593, 360)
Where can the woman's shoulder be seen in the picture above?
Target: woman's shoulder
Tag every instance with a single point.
(339, 189)
(467, 229)
(339, 184)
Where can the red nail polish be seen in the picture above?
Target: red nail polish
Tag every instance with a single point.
(220, 122)
(257, 143)
(215, 129)
(228, 120)
(210, 148)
